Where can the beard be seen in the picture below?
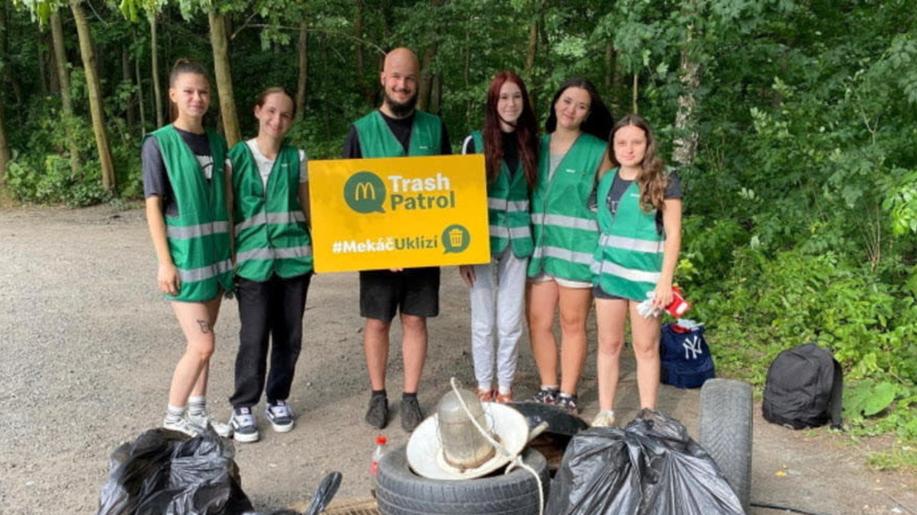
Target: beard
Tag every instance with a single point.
(400, 109)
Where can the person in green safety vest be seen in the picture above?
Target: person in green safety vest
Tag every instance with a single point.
(273, 264)
(639, 214)
(187, 209)
(509, 142)
(397, 129)
(565, 234)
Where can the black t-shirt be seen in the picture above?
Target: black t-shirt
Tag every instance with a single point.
(510, 150)
(156, 178)
(401, 128)
(619, 186)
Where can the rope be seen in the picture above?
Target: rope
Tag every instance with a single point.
(515, 459)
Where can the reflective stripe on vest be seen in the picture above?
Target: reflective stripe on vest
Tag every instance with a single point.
(621, 242)
(274, 253)
(196, 231)
(607, 267)
(568, 222)
(205, 272)
(261, 218)
(581, 258)
(510, 206)
(510, 232)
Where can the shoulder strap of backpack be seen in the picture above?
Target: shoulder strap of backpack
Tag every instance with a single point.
(837, 394)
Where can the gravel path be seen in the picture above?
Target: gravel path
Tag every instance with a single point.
(88, 349)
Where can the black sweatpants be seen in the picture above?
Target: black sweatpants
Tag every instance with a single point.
(273, 308)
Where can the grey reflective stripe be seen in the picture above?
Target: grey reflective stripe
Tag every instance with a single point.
(205, 272)
(281, 253)
(621, 242)
(582, 258)
(196, 231)
(607, 267)
(570, 222)
(509, 206)
(509, 232)
(261, 218)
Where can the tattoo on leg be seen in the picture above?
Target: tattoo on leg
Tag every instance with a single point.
(205, 325)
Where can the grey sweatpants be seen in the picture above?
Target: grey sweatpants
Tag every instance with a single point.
(497, 299)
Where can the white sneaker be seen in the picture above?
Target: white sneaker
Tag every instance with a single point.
(281, 416)
(604, 418)
(202, 420)
(182, 425)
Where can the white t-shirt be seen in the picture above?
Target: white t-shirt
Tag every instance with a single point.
(265, 165)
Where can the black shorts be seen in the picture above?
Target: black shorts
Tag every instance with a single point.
(599, 293)
(415, 291)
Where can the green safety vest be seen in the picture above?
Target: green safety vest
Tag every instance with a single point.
(271, 232)
(565, 229)
(377, 140)
(628, 259)
(199, 236)
(507, 208)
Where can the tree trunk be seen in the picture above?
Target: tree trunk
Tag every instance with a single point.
(47, 82)
(361, 63)
(611, 77)
(685, 143)
(154, 72)
(63, 79)
(426, 78)
(531, 54)
(436, 94)
(129, 113)
(220, 46)
(140, 107)
(4, 65)
(302, 82)
(95, 96)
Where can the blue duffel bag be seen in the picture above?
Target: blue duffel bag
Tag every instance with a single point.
(685, 356)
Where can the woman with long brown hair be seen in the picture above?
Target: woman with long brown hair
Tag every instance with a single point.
(509, 142)
(639, 215)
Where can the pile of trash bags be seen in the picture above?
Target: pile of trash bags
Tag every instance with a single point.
(164, 471)
(651, 466)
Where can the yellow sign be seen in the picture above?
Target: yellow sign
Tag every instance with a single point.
(371, 214)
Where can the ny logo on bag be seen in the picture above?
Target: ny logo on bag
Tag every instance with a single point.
(692, 346)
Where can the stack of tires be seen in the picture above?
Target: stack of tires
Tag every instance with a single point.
(401, 492)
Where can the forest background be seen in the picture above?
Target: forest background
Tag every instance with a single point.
(793, 125)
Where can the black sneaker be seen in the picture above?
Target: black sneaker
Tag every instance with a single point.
(567, 403)
(280, 415)
(377, 414)
(411, 415)
(546, 396)
(244, 425)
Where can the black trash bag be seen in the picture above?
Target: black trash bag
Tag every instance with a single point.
(165, 471)
(650, 467)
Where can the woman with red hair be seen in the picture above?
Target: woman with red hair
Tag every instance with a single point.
(509, 142)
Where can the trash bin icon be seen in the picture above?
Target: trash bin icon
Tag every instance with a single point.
(456, 238)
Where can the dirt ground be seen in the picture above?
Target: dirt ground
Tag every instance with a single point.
(88, 348)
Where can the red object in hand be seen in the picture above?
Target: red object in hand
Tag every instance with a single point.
(679, 306)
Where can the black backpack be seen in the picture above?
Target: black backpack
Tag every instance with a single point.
(804, 388)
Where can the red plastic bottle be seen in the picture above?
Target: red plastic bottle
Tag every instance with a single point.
(381, 441)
